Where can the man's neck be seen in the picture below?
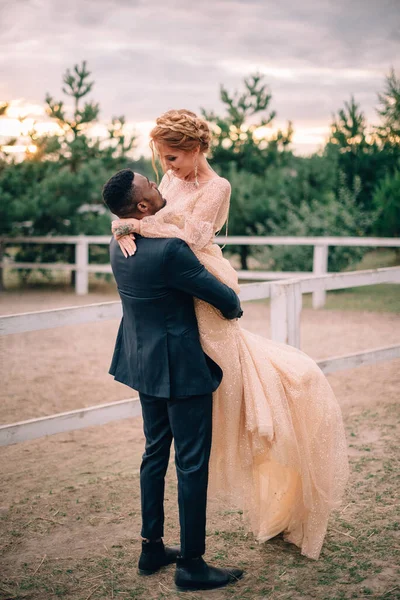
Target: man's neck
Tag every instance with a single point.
(143, 215)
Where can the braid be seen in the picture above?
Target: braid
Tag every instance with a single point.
(182, 129)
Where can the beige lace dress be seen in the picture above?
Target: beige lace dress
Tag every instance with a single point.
(279, 451)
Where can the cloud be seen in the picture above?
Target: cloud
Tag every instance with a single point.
(148, 56)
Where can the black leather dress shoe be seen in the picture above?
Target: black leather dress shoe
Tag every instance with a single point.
(196, 574)
(155, 555)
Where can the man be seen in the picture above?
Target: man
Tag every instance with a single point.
(158, 353)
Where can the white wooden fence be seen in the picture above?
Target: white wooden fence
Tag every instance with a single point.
(285, 308)
(82, 267)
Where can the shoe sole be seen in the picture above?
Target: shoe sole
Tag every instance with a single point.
(179, 588)
(146, 573)
(200, 589)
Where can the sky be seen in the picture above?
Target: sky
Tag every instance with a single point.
(150, 56)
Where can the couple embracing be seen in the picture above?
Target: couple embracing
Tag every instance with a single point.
(254, 422)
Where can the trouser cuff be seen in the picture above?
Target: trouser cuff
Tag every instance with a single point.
(189, 554)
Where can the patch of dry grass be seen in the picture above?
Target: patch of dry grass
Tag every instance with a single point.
(81, 542)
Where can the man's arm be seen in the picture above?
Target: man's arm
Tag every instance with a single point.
(185, 272)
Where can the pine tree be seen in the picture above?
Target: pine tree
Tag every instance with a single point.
(124, 143)
(355, 151)
(56, 190)
(387, 202)
(389, 111)
(236, 148)
(76, 144)
(348, 129)
(235, 140)
(4, 155)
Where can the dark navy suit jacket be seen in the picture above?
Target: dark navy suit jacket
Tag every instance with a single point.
(158, 350)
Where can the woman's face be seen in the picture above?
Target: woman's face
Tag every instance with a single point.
(181, 163)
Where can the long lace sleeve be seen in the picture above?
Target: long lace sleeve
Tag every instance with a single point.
(195, 221)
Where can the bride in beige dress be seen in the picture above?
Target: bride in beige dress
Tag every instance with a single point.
(279, 451)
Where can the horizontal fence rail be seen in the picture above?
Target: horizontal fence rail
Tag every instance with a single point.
(69, 421)
(359, 359)
(285, 309)
(237, 240)
(77, 315)
(124, 409)
(286, 296)
(281, 321)
(82, 267)
(58, 317)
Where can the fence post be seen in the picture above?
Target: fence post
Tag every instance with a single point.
(320, 267)
(286, 303)
(81, 263)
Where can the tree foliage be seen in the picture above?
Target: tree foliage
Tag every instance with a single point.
(241, 135)
(56, 190)
(351, 188)
(387, 204)
(290, 202)
(76, 146)
(367, 154)
(348, 129)
(389, 111)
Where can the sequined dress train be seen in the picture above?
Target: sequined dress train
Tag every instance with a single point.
(279, 451)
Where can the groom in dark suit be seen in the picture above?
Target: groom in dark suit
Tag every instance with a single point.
(158, 353)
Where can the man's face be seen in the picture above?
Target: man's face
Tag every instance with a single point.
(151, 200)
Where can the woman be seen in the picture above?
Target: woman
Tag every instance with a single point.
(279, 450)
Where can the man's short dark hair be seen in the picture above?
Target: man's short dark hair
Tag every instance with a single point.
(120, 193)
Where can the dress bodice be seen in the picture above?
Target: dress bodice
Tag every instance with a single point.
(194, 214)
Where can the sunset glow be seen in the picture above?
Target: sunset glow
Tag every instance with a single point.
(304, 136)
(23, 117)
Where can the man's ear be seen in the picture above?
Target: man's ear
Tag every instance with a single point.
(142, 207)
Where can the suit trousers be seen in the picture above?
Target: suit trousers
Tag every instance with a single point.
(188, 421)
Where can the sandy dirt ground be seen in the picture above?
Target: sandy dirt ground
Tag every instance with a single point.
(62, 369)
(52, 371)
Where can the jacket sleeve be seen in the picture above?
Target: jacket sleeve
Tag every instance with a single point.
(185, 272)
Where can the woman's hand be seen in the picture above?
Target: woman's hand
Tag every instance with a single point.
(127, 245)
(122, 230)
